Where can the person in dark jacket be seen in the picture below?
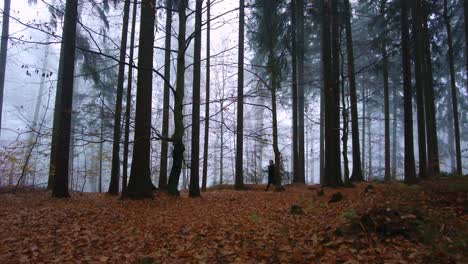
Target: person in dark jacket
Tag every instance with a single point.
(271, 174)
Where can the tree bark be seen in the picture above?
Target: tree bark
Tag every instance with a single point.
(356, 175)
(387, 177)
(140, 185)
(4, 52)
(167, 75)
(418, 66)
(300, 91)
(294, 88)
(62, 151)
(178, 136)
(465, 13)
(410, 170)
(239, 177)
(207, 97)
(115, 170)
(128, 104)
(454, 90)
(194, 189)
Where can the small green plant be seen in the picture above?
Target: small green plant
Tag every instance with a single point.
(296, 210)
(349, 214)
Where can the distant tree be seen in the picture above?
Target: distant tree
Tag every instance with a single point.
(295, 151)
(62, 152)
(140, 185)
(301, 84)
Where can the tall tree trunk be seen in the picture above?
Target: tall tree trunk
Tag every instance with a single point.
(369, 145)
(394, 133)
(332, 103)
(454, 89)
(345, 117)
(178, 136)
(387, 177)
(465, 13)
(140, 185)
(295, 152)
(239, 178)
(364, 120)
(167, 75)
(194, 190)
(207, 97)
(128, 104)
(101, 138)
(300, 91)
(4, 52)
(115, 171)
(276, 151)
(62, 151)
(410, 170)
(356, 175)
(431, 126)
(221, 151)
(419, 66)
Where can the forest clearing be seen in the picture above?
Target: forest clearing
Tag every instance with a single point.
(374, 223)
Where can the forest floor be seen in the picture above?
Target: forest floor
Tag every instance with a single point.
(385, 223)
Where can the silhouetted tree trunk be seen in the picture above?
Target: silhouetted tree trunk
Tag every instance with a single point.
(178, 136)
(115, 171)
(345, 117)
(194, 190)
(356, 175)
(239, 177)
(140, 185)
(167, 75)
(454, 89)
(273, 84)
(300, 91)
(410, 170)
(465, 13)
(431, 126)
(332, 97)
(4, 52)
(62, 151)
(295, 151)
(207, 97)
(394, 133)
(364, 120)
(128, 103)
(418, 66)
(386, 93)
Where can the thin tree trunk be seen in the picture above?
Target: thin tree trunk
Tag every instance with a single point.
(4, 52)
(166, 103)
(418, 65)
(431, 124)
(207, 97)
(369, 145)
(221, 152)
(239, 177)
(276, 151)
(62, 151)
(454, 90)
(465, 13)
(194, 190)
(345, 117)
(394, 133)
(386, 95)
(356, 174)
(295, 152)
(140, 185)
(115, 170)
(101, 141)
(364, 120)
(300, 91)
(410, 170)
(128, 104)
(177, 137)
